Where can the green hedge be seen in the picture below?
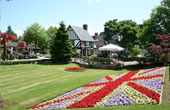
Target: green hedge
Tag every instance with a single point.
(24, 62)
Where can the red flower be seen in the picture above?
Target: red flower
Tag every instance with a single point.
(75, 69)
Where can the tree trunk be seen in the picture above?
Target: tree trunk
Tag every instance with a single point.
(169, 73)
(5, 54)
(35, 49)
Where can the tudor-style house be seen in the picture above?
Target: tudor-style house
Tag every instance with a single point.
(80, 38)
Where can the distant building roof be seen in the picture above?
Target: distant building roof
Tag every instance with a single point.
(12, 44)
(82, 34)
(99, 40)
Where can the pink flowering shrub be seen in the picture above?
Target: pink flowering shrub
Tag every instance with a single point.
(117, 62)
(6, 101)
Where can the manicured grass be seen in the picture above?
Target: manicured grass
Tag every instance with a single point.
(31, 84)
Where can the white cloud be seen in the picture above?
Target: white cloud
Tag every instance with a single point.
(97, 1)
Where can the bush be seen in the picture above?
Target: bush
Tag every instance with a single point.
(12, 56)
(20, 56)
(135, 51)
(100, 60)
(18, 62)
(33, 56)
(105, 54)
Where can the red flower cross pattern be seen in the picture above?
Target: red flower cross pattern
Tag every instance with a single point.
(95, 97)
(94, 94)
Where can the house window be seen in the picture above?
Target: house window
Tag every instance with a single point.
(84, 42)
(87, 43)
(91, 44)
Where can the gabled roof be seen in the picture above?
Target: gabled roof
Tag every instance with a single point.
(82, 34)
(100, 41)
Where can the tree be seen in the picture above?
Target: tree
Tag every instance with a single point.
(36, 34)
(4, 37)
(163, 49)
(52, 31)
(157, 24)
(127, 29)
(135, 51)
(61, 49)
(110, 29)
(9, 30)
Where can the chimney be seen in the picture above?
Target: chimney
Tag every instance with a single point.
(85, 27)
(96, 34)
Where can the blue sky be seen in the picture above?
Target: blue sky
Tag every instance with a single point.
(22, 13)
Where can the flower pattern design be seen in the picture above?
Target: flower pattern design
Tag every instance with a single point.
(136, 87)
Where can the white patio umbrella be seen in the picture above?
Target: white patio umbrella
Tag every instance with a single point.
(111, 48)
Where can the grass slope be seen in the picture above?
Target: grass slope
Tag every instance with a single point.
(31, 84)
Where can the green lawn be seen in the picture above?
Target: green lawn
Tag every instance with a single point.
(31, 84)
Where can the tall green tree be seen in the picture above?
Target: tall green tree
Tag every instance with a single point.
(110, 29)
(127, 29)
(9, 30)
(36, 34)
(61, 49)
(158, 23)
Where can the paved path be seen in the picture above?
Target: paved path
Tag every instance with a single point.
(39, 58)
(128, 63)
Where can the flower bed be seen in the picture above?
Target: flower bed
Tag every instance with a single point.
(136, 87)
(75, 69)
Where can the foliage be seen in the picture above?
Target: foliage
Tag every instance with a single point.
(110, 29)
(101, 60)
(9, 30)
(5, 53)
(163, 49)
(36, 35)
(157, 24)
(135, 51)
(126, 29)
(24, 62)
(75, 53)
(105, 54)
(52, 31)
(20, 56)
(4, 37)
(61, 49)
